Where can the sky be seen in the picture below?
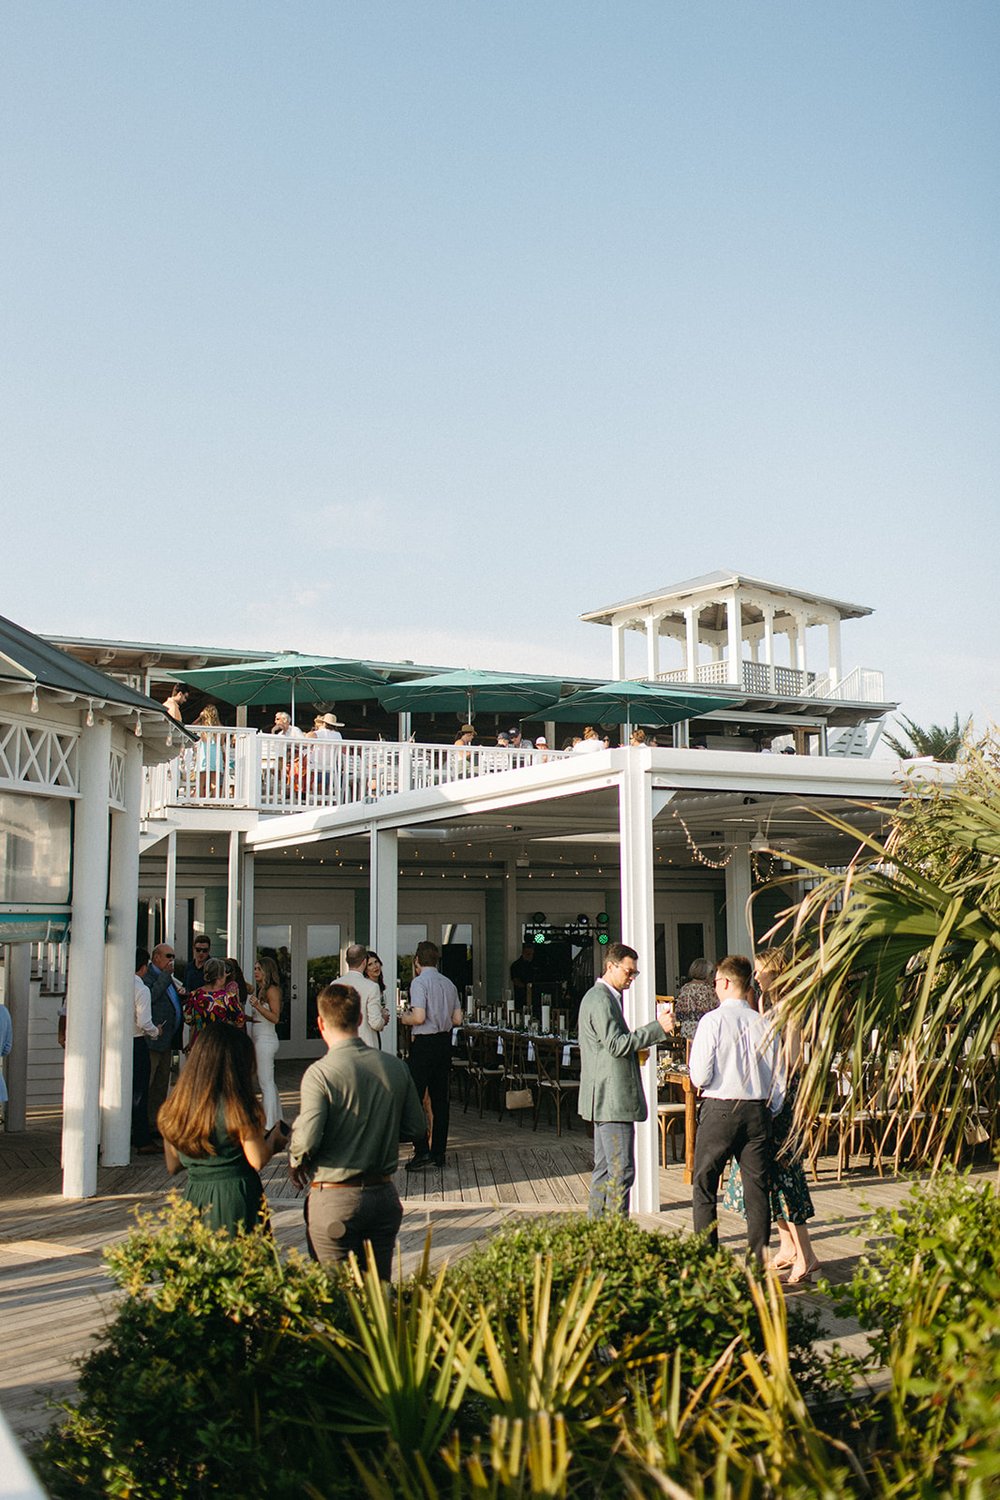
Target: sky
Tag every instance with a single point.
(414, 331)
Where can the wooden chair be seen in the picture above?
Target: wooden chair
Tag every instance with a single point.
(522, 1072)
(670, 1114)
(486, 1069)
(556, 1079)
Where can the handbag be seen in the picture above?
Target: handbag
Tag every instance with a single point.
(519, 1099)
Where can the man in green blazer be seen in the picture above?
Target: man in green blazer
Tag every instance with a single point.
(611, 1093)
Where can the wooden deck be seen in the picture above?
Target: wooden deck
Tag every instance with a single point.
(55, 1295)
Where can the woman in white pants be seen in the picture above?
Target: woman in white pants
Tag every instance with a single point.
(265, 1005)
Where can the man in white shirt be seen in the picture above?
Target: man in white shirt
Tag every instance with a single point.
(373, 1013)
(142, 1027)
(736, 1062)
(434, 1010)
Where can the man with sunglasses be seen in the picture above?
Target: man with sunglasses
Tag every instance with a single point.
(194, 974)
(611, 1092)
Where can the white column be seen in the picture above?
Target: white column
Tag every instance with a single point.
(755, 649)
(833, 651)
(734, 638)
(233, 893)
(652, 646)
(384, 915)
(119, 969)
(635, 819)
(248, 934)
(768, 613)
(800, 641)
(617, 651)
(691, 642)
(738, 887)
(17, 969)
(170, 892)
(84, 992)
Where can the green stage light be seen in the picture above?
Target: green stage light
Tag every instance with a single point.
(539, 937)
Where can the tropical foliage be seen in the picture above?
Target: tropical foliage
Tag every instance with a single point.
(943, 742)
(229, 1372)
(895, 978)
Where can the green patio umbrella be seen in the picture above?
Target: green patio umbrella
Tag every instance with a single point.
(278, 679)
(467, 691)
(631, 703)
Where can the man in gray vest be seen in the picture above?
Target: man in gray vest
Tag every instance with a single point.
(611, 1092)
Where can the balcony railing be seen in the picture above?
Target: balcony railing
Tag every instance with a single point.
(239, 768)
(862, 685)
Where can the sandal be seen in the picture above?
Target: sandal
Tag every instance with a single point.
(804, 1278)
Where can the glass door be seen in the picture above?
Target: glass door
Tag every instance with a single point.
(308, 950)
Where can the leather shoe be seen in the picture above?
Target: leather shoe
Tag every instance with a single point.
(420, 1163)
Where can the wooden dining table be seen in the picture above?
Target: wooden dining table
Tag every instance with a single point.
(682, 1079)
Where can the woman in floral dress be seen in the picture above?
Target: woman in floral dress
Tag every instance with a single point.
(217, 1000)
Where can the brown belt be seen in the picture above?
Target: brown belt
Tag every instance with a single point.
(363, 1179)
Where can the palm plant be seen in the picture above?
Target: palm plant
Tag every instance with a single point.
(895, 978)
(940, 741)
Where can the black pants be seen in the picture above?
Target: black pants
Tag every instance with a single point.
(430, 1065)
(141, 1134)
(740, 1128)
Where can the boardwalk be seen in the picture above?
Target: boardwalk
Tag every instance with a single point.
(55, 1295)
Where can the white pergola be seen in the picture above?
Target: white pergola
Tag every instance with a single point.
(628, 793)
(719, 613)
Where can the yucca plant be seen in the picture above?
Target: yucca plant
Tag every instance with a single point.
(405, 1368)
(745, 1433)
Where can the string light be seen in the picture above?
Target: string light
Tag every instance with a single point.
(703, 859)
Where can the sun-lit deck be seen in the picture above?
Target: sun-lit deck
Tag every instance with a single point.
(268, 773)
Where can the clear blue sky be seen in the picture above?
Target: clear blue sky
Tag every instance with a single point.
(416, 330)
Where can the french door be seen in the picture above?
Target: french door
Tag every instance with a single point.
(308, 949)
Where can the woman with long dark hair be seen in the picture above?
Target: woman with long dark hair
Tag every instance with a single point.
(213, 1127)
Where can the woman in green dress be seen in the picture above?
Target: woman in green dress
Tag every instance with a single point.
(213, 1127)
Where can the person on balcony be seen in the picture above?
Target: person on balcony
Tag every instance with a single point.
(283, 725)
(174, 703)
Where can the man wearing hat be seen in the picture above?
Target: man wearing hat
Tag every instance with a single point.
(514, 737)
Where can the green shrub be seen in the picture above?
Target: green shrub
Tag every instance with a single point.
(949, 1230)
(659, 1292)
(190, 1391)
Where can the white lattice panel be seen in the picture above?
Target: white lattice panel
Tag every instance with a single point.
(38, 757)
(116, 793)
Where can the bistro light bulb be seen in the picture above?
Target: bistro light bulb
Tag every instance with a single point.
(90, 715)
(34, 700)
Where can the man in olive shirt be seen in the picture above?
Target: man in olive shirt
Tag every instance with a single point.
(356, 1104)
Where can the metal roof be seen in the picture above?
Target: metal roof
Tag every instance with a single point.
(27, 658)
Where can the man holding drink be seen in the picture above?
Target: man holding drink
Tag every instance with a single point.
(611, 1092)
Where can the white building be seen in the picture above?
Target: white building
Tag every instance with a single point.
(302, 847)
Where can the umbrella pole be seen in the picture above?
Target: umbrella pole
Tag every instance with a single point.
(293, 701)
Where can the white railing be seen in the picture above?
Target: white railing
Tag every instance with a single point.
(50, 965)
(861, 685)
(239, 768)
